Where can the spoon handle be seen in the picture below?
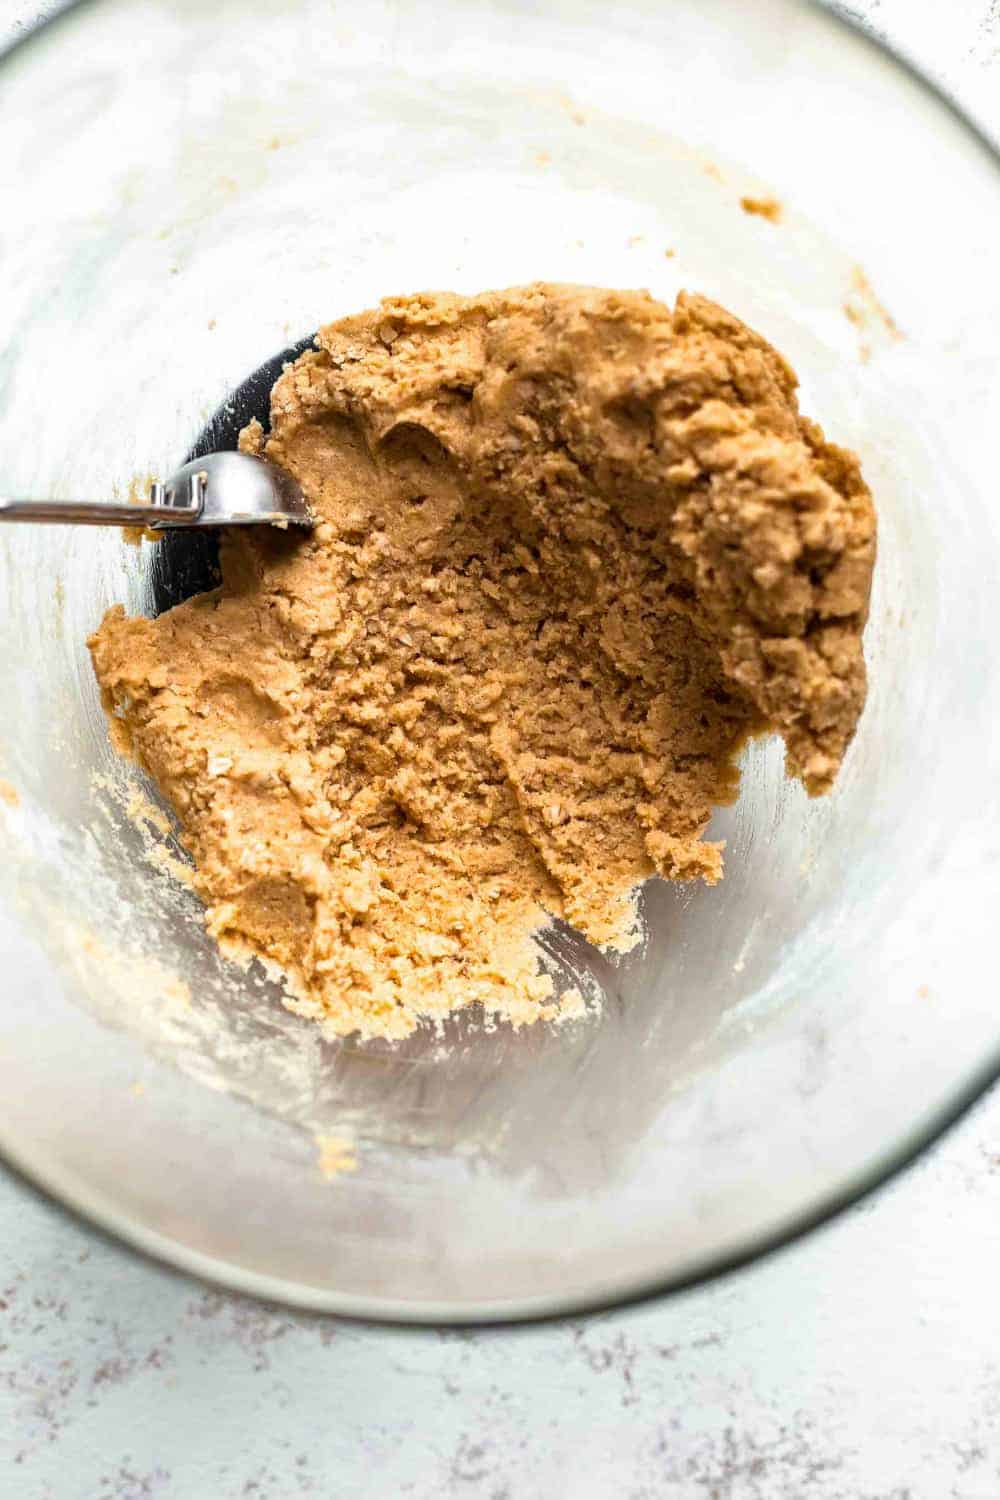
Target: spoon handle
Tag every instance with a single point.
(86, 513)
(159, 512)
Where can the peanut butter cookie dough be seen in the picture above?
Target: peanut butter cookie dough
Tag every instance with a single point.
(573, 548)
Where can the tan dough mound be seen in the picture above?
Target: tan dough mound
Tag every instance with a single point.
(573, 548)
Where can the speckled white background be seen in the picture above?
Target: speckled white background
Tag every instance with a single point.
(860, 1364)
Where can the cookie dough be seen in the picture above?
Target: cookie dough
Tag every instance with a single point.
(573, 548)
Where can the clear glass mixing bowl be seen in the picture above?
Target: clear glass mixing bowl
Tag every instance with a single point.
(188, 188)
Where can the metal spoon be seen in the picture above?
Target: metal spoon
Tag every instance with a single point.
(218, 489)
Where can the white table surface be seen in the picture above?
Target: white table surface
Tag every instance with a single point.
(863, 1363)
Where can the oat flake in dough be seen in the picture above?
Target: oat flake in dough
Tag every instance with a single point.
(573, 548)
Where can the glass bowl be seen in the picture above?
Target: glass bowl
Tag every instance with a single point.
(190, 188)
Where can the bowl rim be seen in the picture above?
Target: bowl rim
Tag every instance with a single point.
(96, 1213)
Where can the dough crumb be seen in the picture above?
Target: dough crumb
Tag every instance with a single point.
(159, 858)
(335, 1156)
(140, 812)
(869, 315)
(9, 794)
(138, 494)
(573, 548)
(763, 208)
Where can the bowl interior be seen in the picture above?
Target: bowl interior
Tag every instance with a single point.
(201, 186)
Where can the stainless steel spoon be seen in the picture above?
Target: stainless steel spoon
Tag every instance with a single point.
(218, 489)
